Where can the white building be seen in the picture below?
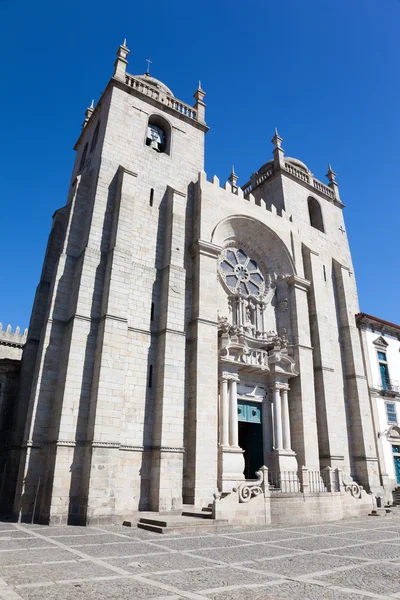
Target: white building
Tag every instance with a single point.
(381, 346)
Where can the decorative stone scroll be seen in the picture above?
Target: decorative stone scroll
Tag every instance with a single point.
(251, 489)
(354, 489)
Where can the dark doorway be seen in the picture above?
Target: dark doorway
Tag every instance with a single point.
(250, 437)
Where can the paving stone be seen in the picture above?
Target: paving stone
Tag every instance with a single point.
(115, 589)
(286, 591)
(370, 535)
(268, 536)
(13, 534)
(121, 549)
(159, 562)
(245, 553)
(26, 557)
(17, 575)
(86, 540)
(321, 530)
(375, 551)
(295, 565)
(31, 542)
(208, 577)
(315, 543)
(381, 578)
(192, 543)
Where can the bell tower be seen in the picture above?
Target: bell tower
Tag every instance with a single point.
(103, 380)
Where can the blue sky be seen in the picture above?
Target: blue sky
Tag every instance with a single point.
(324, 72)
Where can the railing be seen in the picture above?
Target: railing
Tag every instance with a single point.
(297, 172)
(389, 385)
(151, 92)
(257, 180)
(324, 189)
(284, 482)
(184, 109)
(257, 358)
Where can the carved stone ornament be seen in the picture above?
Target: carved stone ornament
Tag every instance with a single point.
(249, 490)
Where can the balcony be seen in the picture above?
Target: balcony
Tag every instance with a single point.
(389, 386)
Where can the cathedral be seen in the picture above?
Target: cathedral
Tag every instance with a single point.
(190, 343)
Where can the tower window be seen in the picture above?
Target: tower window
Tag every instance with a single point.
(314, 210)
(83, 158)
(158, 134)
(94, 138)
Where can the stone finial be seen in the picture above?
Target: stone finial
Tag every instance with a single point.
(278, 152)
(331, 175)
(8, 328)
(121, 62)
(200, 106)
(233, 179)
(277, 140)
(1, 326)
(88, 113)
(17, 330)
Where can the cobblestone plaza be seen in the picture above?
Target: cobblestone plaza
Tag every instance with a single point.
(353, 559)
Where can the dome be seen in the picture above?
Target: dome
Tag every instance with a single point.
(297, 163)
(146, 78)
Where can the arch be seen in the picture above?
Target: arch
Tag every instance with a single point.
(393, 433)
(256, 238)
(315, 213)
(158, 134)
(95, 137)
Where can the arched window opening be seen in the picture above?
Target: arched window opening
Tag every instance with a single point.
(83, 158)
(158, 135)
(315, 213)
(94, 138)
(151, 196)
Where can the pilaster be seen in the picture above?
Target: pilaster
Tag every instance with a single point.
(330, 402)
(202, 423)
(362, 435)
(303, 414)
(168, 440)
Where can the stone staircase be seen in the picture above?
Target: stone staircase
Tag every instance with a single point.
(396, 496)
(189, 521)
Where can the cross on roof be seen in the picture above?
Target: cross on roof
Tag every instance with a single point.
(341, 229)
(149, 62)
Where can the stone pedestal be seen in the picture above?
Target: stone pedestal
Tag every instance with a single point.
(231, 467)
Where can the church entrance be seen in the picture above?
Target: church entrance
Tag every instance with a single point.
(250, 436)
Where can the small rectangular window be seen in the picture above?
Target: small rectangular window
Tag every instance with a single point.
(382, 356)
(391, 412)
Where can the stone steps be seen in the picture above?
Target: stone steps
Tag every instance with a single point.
(190, 522)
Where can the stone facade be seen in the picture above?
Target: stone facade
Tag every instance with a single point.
(11, 344)
(184, 334)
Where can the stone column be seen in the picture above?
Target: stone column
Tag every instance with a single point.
(224, 413)
(233, 414)
(287, 444)
(277, 419)
(267, 428)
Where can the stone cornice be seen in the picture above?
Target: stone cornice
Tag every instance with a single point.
(205, 249)
(299, 282)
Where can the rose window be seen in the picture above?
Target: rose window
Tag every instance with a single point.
(241, 273)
